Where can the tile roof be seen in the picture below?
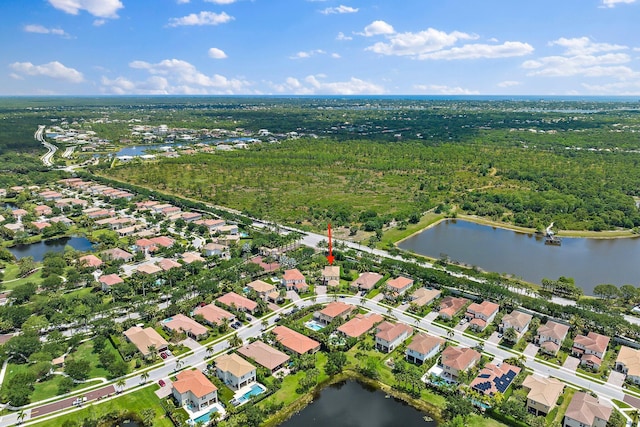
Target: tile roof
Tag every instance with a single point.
(180, 322)
(517, 319)
(485, 308)
(264, 354)
(295, 341)
(336, 308)
(234, 364)
(493, 379)
(110, 279)
(145, 338)
(423, 343)
(90, 261)
(390, 332)
(231, 299)
(195, 382)
(399, 283)
(213, 314)
(367, 280)
(585, 408)
(630, 358)
(553, 330)
(293, 274)
(459, 358)
(544, 391)
(360, 324)
(592, 341)
(260, 286)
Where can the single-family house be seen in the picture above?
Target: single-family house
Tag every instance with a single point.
(264, 355)
(494, 379)
(231, 229)
(585, 410)
(213, 314)
(90, 261)
(294, 341)
(451, 306)
(366, 281)
(543, 393)
(628, 362)
(148, 269)
(193, 388)
(263, 289)
(233, 300)
(424, 296)
(234, 371)
(550, 336)
(334, 310)
(360, 324)
(455, 360)
(216, 249)
(590, 349)
(146, 340)
(423, 347)
(481, 315)
(40, 225)
(399, 286)
(187, 325)
(167, 264)
(19, 213)
(390, 335)
(330, 275)
(212, 225)
(109, 280)
(117, 254)
(294, 279)
(191, 257)
(517, 320)
(42, 210)
(191, 216)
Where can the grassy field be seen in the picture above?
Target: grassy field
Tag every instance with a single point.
(11, 279)
(136, 401)
(394, 235)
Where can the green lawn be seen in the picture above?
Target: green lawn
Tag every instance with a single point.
(85, 352)
(394, 235)
(475, 420)
(568, 394)
(11, 274)
(136, 401)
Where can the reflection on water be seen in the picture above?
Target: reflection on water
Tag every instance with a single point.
(37, 250)
(589, 261)
(352, 404)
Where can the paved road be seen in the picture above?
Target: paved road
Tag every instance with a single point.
(68, 403)
(47, 158)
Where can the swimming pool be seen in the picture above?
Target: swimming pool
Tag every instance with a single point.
(206, 417)
(313, 325)
(255, 390)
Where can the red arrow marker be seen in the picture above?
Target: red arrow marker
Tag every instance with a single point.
(330, 257)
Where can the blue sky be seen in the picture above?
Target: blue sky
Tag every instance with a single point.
(457, 47)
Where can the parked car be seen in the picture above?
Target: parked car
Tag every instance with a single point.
(163, 355)
(161, 383)
(463, 321)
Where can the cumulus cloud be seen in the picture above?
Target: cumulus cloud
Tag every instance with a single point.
(625, 88)
(35, 28)
(377, 28)
(202, 18)
(614, 3)
(175, 76)
(313, 85)
(509, 83)
(444, 90)
(98, 8)
(216, 53)
(99, 22)
(341, 36)
(477, 51)
(307, 54)
(582, 57)
(421, 43)
(54, 69)
(339, 10)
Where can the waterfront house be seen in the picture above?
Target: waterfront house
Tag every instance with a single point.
(424, 296)
(294, 341)
(390, 335)
(399, 286)
(423, 347)
(234, 371)
(584, 410)
(90, 261)
(109, 280)
(481, 315)
(628, 362)
(543, 393)
(455, 360)
(193, 388)
(264, 355)
(494, 379)
(117, 254)
(550, 336)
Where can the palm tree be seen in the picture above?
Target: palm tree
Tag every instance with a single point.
(179, 364)
(121, 383)
(144, 377)
(21, 416)
(235, 340)
(450, 333)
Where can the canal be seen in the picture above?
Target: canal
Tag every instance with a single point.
(589, 261)
(37, 250)
(353, 404)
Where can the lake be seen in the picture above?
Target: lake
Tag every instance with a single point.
(353, 404)
(589, 261)
(139, 150)
(37, 250)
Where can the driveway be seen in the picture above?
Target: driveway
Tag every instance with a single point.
(571, 363)
(531, 350)
(462, 327)
(494, 339)
(192, 344)
(431, 316)
(165, 391)
(377, 298)
(616, 378)
(293, 296)
(321, 290)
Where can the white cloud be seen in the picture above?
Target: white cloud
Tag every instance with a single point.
(377, 28)
(336, 55)
(582, 57)
(307, 54)
(339, 10)
(312, 85)
(477, 51)
(154, 85)
(98, 8)
(584, 46)
(341, 36)
(54, 69)
(444, 90)
(614, 3)
(35, 28)
(202, 18)
(177, 77)
(216, 53)
(509, 83)
(626, 88)
(421, 43)
(221, 1)
(99, 22)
